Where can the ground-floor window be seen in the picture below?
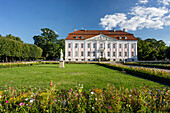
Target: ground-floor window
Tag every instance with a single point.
(69, 59)
(88, 53)
(82, 59)
(114, 54)
(69, 53)
(88, 59)
(94, 53)
(108, 54)
(82, 53)
(76, 59)
(120, 53)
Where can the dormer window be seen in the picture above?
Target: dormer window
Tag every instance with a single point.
(125, 37)
(82, 37)
(76, 37)
(120, 37)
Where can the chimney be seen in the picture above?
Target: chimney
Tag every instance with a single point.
(84, 29)
(114, 29)
(74, 29)
(124, 29)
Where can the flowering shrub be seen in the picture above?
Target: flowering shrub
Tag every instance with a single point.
(9, 65)
(153, 74)
(141, 99)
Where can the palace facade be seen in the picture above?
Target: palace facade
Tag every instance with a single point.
(91, 45)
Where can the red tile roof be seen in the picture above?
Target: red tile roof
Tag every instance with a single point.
(91, 33)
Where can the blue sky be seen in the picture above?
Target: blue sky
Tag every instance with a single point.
(25, 18)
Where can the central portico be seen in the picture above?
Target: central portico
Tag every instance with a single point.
(90, 45)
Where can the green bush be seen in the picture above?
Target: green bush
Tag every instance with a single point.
(9, 65)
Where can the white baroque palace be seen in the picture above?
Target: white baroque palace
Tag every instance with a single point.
(90, 45)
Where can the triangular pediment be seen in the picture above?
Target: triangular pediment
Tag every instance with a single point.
(101, 37)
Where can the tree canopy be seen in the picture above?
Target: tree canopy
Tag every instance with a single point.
(49, 43)
(151, 49)
(12, 49)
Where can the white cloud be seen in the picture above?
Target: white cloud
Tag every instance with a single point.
(110, 21)
(165, 2)
(169, 42)
(166, 20)
(143, 1)
(139, 17)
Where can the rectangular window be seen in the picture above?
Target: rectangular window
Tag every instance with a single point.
(120, 45)
(82, 53)
(101, 45)
(114, 54)
(120, 53)
(69, 53)
(89, 45)
(88, 53)
(76, 45)
(108, 54)
(132, 45)
(94, 53)
(132, 54)
(76, 53)
(82, 45)
(108, 45)
(113, 45)
(94, 45)
(69, 45)
(126, 54)
(125, 45)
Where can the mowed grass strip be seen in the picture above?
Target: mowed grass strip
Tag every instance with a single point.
(90, 75)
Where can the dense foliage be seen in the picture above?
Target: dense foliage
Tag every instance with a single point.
(50, 100)
(16, 50)
(151, 49)
(153, 74)
(49, 43)
(168, 52)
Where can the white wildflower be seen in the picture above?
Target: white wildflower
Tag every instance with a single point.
(92, 107)
(92, 93)
(26, 99)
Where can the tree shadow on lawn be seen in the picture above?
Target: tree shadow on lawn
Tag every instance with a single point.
(57, 66)
(139, 76)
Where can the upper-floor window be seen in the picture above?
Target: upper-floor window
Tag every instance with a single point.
(113, 45)
(108, 45)
(88, 45)
(125, 45)
(101, 45)
(76, 45)
(82, 45)
(132, 45)
(94, 45)
(69, 45)
(120, 45)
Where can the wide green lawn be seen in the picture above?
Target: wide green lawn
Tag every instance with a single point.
(90, 75)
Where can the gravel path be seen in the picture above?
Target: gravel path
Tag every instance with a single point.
(167, 70)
